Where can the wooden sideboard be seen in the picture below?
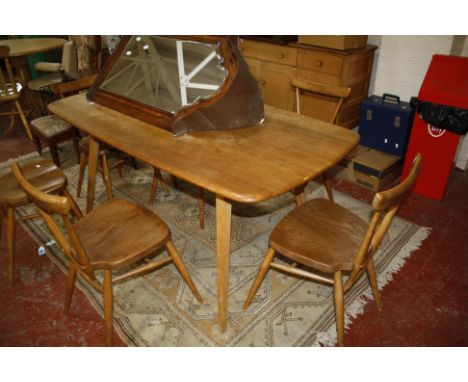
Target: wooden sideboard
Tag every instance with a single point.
(273, 66)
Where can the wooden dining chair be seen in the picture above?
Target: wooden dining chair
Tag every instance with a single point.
(118, 234)
(52, 129)
(10, 92)
(339, 93)
(327, 237)
(45, 176)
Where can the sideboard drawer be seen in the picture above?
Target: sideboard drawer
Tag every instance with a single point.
(320, 62)
(269, 52)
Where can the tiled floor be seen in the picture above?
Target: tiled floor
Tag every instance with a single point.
(426, 304)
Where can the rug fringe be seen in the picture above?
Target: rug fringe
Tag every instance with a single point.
(356, 308)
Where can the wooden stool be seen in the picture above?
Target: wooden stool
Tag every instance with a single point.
(45, 176)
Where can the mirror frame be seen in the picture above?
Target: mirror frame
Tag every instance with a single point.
(227, 49)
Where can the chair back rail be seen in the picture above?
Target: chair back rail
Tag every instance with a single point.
(54, 204)
(339, 92)
(8, 89)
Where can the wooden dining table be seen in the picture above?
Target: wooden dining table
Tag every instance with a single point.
(246, 165)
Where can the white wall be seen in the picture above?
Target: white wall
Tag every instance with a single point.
(401, 62)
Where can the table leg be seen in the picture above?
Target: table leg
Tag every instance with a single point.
(223, 247)
(92, 170)
(300, 194)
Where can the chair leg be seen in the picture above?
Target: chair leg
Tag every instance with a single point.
(38, 144)
(106, 176)
(201, 207)
(260, 276)
(10, 228)
(183, 271)
(70, 287)
(54, 154)
(164, 184)
(76, 145)
(175, 181)
(23, 119)
(83, 160)
(373, 282)
(339, 306)
(107, 294)
(154, 185)
(328, 186)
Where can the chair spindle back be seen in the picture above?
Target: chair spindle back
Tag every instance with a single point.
(386, 204)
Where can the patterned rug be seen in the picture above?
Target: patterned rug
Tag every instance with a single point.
(159, 310)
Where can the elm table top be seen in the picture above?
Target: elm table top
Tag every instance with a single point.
(245, 165)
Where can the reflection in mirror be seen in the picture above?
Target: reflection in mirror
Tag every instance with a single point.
(165, 72)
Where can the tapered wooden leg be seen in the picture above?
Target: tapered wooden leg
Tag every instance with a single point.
(38, 144)
(164, 184)
(183, 271)
(264, 267)
(223, 249)
(92, 169)
(83, 159)
(373, 282)
(154, 185)
(10, 228)
(76, 145)
(300, 195)
(75, 208)
(339, 307)
(106, 176)
(328, 186)
(175, 181)
(107, 292)
(201, 207)
(54, 154)
(70, 287)
(23, 119)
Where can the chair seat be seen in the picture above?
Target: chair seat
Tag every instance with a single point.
(45, 81)
(118, 233)
(320, 234)
(41, 173)
(50, 126)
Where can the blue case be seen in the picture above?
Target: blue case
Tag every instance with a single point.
(385, 124)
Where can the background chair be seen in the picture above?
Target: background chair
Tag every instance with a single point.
(56, 71)
(117, 234)
(338, 92)
(46, 177)
(328, 238)
(53, 130)
(10, 92)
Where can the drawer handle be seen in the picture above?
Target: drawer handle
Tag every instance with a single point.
(318, 63)
(281, 55)
(261, 83)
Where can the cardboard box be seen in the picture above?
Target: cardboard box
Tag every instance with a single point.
(375, 169)
(335, 42)
(358, 150)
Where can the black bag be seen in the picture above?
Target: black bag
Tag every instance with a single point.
(442, 116)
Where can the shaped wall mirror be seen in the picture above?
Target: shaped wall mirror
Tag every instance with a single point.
(180, 83)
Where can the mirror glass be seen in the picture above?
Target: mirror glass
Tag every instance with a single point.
(165, 72)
